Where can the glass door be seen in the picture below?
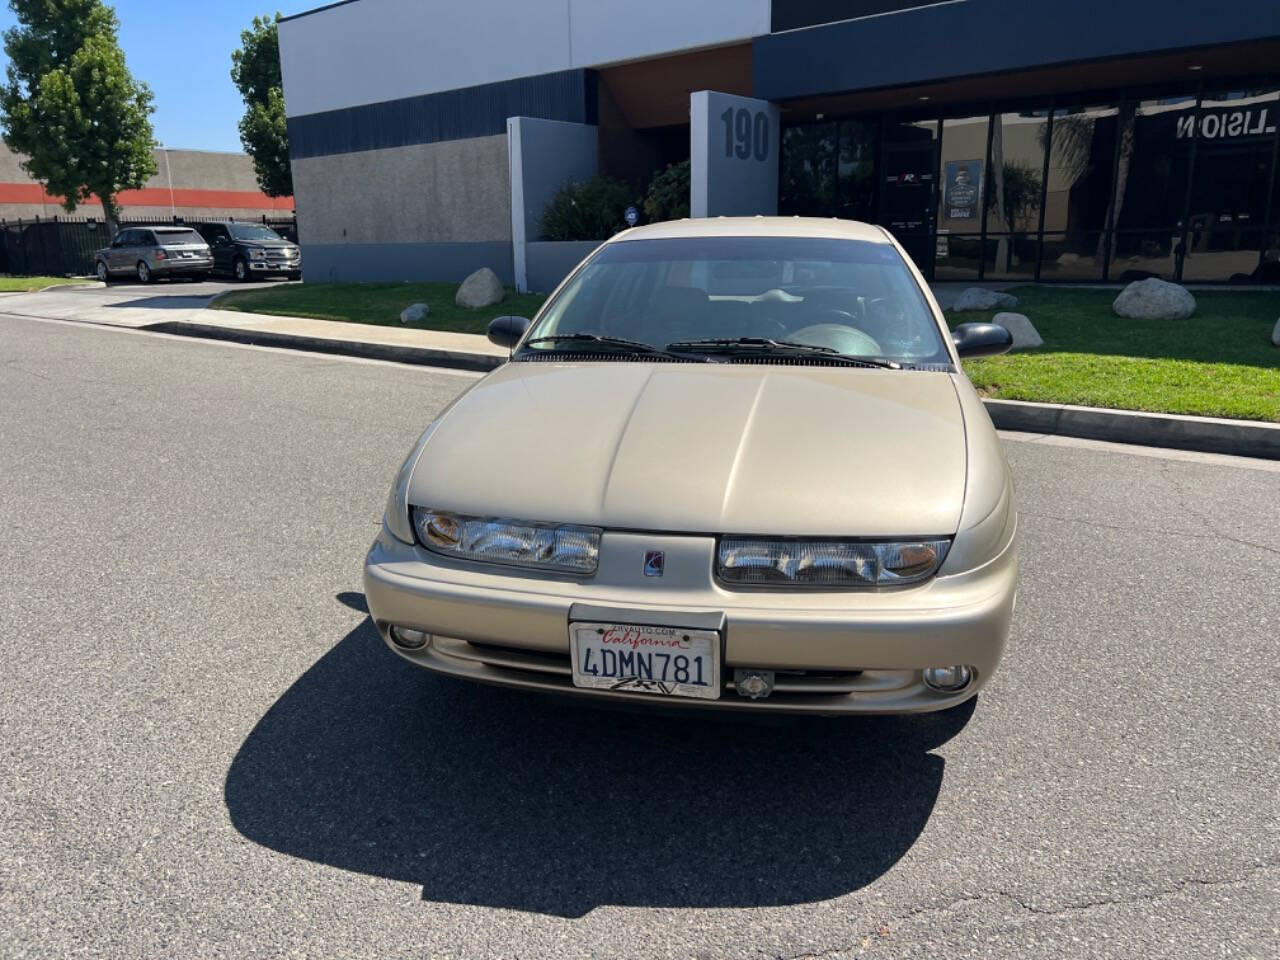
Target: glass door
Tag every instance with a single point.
(909, 185)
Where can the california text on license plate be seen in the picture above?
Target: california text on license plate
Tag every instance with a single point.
(667, 661)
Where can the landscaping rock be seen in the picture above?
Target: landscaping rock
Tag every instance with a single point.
(1275, 334)
(481, 289)
(977, 298)
(414, 313)
(1068, 257)
(1025, 335)
(1154, 299)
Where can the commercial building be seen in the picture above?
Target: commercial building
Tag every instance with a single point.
(997, 139)
(187, 183)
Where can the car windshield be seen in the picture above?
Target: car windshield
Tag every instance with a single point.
(172, 238)
(792, 296)
(255, 232)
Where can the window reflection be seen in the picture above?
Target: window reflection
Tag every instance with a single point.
(958, 250)
(808, 176)
(1015, 180)
(1230, 185)
(1179, 187)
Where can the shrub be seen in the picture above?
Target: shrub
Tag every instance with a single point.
(668, 197)
(593, 210)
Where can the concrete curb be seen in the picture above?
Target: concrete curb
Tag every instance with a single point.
(1244, 438)
(422, 356)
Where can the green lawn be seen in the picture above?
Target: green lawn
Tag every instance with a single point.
(1218, 363)
(377, 303)
(26, 284)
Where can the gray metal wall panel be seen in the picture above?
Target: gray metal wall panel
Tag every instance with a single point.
(396, 262)
(974, 37)
(548, 263)
(450, 115)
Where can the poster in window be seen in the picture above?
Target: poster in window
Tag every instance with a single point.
(964, 179)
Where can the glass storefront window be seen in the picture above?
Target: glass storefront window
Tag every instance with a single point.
(1183, 187)
(807, 186)
(1015, 174)
(1229, 188)
(958, 250)
(856, 170)
(1153, 172)
(1072, 256)
(1078, 191)
(1013, 194)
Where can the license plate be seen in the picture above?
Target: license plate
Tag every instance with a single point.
(665, 661)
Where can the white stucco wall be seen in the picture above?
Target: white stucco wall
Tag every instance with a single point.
(375, 50)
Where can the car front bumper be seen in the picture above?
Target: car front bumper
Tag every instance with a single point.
(276, 267)
(832, 653)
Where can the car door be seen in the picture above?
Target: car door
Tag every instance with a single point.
(223, 249)
(121, 250)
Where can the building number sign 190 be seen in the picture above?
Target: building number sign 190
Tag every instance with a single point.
(746, 133)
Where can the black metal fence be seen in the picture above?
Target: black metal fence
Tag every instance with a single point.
(65, 246)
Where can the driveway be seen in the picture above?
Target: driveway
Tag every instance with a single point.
(123, 304)
(206, 750)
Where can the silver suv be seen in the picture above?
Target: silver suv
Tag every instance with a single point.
(150, 252)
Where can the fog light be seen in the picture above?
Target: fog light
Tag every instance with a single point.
(947, 679)
(408, 638)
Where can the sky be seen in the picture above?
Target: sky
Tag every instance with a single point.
(182, 49)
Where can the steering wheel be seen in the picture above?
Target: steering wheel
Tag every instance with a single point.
(844, 337)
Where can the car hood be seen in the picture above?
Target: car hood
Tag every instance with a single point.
(706, 448)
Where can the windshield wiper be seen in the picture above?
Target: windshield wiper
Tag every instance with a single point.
(617, 344)
(766, 346)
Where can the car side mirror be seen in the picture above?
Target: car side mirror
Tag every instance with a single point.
(981, 339)
(507, 331)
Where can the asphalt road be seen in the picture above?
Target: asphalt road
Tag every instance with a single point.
(205, 751)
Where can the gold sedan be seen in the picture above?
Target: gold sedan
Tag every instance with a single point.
(731, 463)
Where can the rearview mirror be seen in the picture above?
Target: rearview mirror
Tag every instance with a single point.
(981, 339)
(507, 331)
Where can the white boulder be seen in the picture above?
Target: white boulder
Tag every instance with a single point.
(1025, 335)
(1275, 334)
(978, 298)
(1154, 299)
(414, 313)
(481, 289)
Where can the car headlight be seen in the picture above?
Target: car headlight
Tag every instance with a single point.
(257, 254)
(543, 546)
(762, 562)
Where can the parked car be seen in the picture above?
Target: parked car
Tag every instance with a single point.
(732, 463)
(147, 253)
(245, 250)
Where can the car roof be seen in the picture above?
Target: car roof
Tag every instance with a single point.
(824, 227)
(170, 229)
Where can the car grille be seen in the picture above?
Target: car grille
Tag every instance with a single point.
(789, 685)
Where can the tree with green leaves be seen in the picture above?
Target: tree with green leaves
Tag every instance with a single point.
(255, 70)
(69, 106)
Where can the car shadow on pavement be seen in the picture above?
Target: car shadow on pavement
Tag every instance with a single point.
(499, 798)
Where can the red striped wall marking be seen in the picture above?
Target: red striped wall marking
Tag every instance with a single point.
(159, 197)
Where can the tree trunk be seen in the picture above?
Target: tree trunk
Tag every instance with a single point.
(1124, 130)
(110, 214)
(997, 188)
